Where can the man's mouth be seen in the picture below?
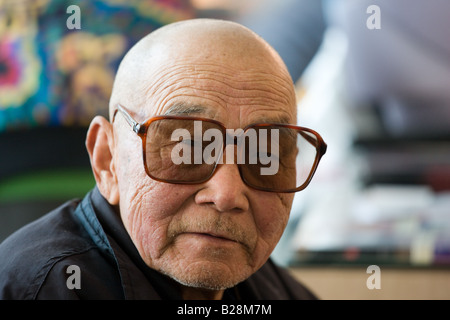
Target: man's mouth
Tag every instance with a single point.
(212, 236)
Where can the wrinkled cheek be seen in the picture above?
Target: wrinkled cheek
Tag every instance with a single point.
(151, 241)
(147, 230)
(276, 229)
(270, 232)
(265, 247)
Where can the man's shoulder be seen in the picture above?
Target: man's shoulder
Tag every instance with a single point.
(51, 232)
(28, 255)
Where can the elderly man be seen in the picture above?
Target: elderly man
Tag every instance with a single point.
(196, 172)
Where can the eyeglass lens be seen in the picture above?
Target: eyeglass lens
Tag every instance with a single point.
(273, 158)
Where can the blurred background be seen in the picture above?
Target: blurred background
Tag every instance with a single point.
(372, 77)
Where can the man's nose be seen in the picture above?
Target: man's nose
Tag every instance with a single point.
(225, 190)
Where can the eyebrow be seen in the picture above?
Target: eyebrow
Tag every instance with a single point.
(282, 119)
(185, 109)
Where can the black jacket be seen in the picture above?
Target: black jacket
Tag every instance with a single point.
(89, 234)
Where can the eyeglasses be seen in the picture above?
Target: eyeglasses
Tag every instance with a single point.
(187, 150)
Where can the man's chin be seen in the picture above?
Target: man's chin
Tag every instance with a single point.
(209, 276)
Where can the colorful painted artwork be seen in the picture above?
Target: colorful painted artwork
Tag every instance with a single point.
(53, 75)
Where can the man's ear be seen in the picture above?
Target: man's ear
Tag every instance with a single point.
(100, 146)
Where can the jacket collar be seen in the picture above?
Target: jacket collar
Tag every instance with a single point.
(104, 226)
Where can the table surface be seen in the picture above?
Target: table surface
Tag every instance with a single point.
(350, 283)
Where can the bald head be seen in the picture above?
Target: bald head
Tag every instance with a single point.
(192, 45)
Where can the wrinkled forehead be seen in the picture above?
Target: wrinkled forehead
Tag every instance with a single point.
(221, 91)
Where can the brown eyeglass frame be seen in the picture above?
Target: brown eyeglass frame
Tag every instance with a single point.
(141, 130)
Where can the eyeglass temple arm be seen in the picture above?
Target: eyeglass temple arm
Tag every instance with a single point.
(315, 142)
(133, 124)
